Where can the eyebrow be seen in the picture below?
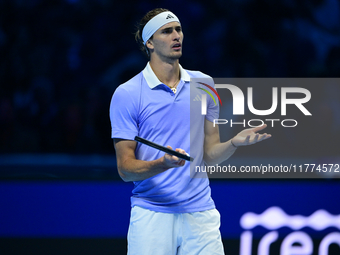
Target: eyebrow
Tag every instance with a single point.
(168, 28)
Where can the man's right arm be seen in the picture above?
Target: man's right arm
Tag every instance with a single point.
(132, 169)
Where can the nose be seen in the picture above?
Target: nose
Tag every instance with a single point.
(177, 36)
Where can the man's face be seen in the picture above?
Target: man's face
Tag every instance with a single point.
(167, 41)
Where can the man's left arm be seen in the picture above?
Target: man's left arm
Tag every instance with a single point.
(216, 152)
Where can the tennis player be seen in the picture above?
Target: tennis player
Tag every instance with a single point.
(172, 213)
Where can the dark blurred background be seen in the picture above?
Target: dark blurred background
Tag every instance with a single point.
(61, 61)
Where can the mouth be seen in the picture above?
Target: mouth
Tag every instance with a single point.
(177, 46)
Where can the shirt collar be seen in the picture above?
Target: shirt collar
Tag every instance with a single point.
(152, 79)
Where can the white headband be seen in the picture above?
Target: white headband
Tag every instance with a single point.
(156, 22)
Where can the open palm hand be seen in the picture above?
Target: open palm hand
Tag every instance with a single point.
(250, 136)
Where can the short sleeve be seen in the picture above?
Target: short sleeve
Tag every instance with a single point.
(123, 115)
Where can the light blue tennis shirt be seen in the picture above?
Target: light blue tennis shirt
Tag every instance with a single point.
(145, 107)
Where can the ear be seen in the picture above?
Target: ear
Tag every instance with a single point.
(149, 45)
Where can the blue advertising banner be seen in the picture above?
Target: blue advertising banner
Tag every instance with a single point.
(256, 213)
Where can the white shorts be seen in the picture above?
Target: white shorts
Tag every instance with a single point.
(156, 233)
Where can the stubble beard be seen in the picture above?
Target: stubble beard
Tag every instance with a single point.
(174, 56)
(170, 57)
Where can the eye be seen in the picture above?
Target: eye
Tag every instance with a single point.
(178, 29)
(167, 31)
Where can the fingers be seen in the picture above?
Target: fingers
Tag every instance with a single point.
(259, 138)
(181, 151)
(178, 149)
(171, 157)
(250, 136)
(256, 129)
(175, 161)
(264, 137)
(182, 161)
(247, 139)
(252, 139)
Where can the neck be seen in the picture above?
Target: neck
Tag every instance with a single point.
(166, 72)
